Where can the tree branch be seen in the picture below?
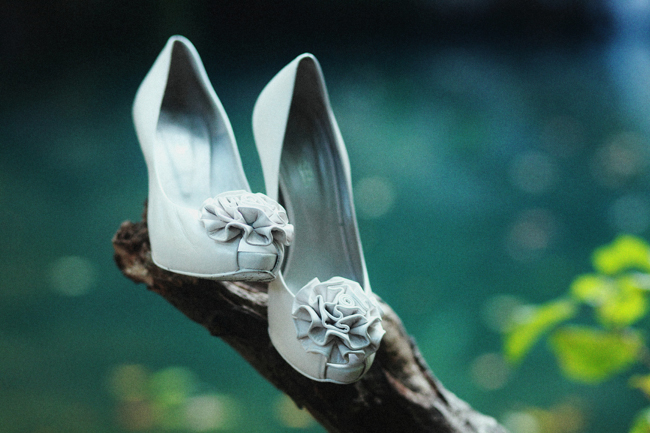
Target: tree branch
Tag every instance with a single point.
(399, 392)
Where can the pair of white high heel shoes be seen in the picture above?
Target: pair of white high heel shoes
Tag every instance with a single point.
(204, 221)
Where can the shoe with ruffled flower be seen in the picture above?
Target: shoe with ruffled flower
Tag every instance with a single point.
(323, 317)
(203, 220)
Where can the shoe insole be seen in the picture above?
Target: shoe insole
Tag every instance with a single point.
(314, 190)
(195, 155)
(183, 158)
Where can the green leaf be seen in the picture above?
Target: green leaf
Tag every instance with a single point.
(624, 305)
(626, 252)
(641, 382)
(590, 355)
(641, 422)
(592, 289)
(619, 302)
(530, 323)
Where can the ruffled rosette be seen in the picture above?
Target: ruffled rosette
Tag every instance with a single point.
(338, 320)
(257, 218)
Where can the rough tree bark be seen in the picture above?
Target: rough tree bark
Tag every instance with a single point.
(399, 392)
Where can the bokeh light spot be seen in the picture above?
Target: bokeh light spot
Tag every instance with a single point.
(565, 417)
(531, 235)
(171, 386)
(209, 412)
(374, 197)
(448, 335)
(128, 382)
(521, 422)
(167, 400)
(72, 275)
(135, 415)
(498, 310)
(290, 415)
(621, 158)
(489, 371)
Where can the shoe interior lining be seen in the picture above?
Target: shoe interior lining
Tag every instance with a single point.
(313, 187)
(194, 155)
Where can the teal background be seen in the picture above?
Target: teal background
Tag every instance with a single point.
(493, 146)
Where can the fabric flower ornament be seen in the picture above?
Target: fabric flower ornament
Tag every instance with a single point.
(257, 218)
(338, 320)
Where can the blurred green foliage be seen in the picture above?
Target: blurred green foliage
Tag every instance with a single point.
(616, 295)
(642, 422)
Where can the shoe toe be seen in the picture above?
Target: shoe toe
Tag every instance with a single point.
(256, 261)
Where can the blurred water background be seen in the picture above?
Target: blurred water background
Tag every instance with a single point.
(494, 144)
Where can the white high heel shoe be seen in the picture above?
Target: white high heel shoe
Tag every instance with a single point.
(203, 220)
(323, 317)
